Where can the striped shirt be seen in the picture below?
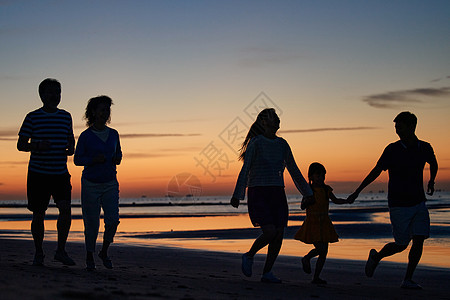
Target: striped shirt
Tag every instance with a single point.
(57, 129)
(264, 164)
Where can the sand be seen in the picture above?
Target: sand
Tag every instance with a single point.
(176, 273)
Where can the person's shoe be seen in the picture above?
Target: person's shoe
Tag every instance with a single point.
(306, 264)
(38, 259)
(247, 264)
(106, 260)
(90, 265)
(61, 256)
(371, 263)
(411, 285)
(270, 278)
(318, 281)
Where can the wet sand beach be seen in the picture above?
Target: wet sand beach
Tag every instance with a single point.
(175, 273)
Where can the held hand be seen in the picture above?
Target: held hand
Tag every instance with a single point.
(234, 202)
(430, 189)
(307, 201)
(352, 197)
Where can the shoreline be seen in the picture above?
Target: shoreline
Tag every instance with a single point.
(176, 273)
(295, 214)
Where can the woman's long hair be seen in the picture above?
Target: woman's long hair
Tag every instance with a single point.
(257, 128)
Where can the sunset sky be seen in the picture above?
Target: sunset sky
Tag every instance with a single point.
(187, 77)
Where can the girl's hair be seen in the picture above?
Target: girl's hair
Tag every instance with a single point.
(257, 128)
(315, 167)
(92, 105)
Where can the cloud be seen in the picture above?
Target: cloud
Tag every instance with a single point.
(161, 153)
(398, 99)
(327, 129)
(261, 57)
(123, 124)
(156, 135)
(440, 79)
(13, 162)
(144, 155)
(8, 135)
(11, 135)
(11, 78)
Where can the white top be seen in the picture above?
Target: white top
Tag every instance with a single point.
(264, 164)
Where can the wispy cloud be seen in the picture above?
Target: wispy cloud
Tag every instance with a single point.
(170, 121)
(327, 129)
(144, 155)
(161, 153)
(398, 99)
(13, 163)
(8, 135)
(11, 78)
(11, 135)
(262, 56)
(440, 79)
(156, 135)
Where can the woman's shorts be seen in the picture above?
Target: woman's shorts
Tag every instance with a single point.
(268, 205)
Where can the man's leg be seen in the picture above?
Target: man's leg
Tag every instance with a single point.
(37, 230)
(388, 250)
(375, 257)
(63, 224)
(415, 253)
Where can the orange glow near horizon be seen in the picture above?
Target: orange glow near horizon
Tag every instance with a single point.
(150, 172)
(146, 177)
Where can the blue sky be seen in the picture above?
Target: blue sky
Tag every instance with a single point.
(191, 67)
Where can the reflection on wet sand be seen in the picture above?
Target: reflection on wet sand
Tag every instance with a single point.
(235, 234)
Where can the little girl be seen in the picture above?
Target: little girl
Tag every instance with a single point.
(317, 228)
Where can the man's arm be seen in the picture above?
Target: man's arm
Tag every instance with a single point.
(376, 171)
(433, 171)
(24, 145)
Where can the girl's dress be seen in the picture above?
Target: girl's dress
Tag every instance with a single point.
(317, 226)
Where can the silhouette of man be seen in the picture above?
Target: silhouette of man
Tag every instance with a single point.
(405, 161)
(48, 135)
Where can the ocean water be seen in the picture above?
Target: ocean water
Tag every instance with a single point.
(219, 205)
(210, 223)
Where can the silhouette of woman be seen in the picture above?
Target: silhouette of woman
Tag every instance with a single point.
(98, 150)
(265, 157)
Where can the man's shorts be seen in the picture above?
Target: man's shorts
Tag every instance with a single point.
(408, 222)
(40, 187)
